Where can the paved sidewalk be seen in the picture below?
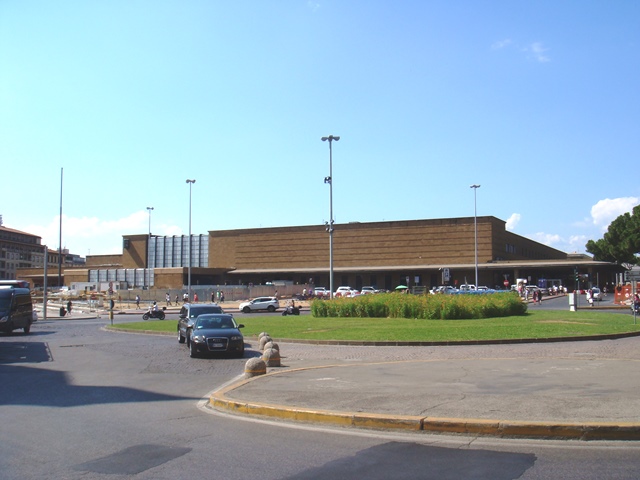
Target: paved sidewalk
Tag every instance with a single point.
(586, 390)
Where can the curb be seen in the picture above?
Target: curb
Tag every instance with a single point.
(585, 431)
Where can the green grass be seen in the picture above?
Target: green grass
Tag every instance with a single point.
(535, 324)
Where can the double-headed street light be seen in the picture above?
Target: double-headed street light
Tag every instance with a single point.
(475, 227)
(190, 182)
(329, 224)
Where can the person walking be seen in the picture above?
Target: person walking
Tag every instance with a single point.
(137, 301)
(69, 305)
(167, 297)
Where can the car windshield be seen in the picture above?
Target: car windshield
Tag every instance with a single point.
(208, 323)
(196, 312)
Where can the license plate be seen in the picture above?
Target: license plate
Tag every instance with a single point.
(217, 345)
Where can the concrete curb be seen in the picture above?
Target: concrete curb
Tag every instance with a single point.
(463, 426)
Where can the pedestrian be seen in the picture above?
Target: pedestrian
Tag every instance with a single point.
(221, 297)
(185, 297)
(535, 297)
(213, 296)
(167, 297)
(590, 297)
(195, 298)
(177, 300)
(137, 301)
(69, 305)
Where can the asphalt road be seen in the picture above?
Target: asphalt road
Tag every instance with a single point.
(77, 402)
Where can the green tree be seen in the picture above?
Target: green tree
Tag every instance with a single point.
(621, 242)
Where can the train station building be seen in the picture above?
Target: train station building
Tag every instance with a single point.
(416, 253)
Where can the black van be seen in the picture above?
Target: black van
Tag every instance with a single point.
(16, 309)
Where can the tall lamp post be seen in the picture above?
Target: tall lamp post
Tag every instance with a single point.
(190, 182)
(329, 224)
(148, 272)
(475, 228)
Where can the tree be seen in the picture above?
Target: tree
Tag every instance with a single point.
(621, 242)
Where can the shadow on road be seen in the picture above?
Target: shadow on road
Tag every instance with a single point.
(26, 385)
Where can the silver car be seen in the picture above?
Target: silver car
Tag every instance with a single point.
(270, 304)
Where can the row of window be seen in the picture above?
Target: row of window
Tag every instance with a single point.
(167, 252)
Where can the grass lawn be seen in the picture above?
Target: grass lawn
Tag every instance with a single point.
(535, 324)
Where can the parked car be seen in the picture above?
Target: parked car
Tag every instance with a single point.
(188, 315)
(216, 333)
(321, 292)
(446, 289)
(271, 304)
(368, 290)
(466, 288)
(346, 292)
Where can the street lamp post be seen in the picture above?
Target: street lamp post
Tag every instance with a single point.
(329, 224)
(190, 182)
(475, 228)
(147, 271)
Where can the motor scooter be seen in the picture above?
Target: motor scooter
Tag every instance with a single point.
(290, 310)
(159, 314)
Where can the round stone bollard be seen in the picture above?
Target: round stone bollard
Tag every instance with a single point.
(254, 367)
(270, 344)
(264, 340)
(271, 357)
(262, 334)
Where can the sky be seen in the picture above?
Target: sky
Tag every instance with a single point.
(115, 104)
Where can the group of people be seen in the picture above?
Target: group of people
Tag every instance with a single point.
(216, 296)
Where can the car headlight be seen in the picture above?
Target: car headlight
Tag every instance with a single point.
(236, 338)
(4, 319)
(197, 338)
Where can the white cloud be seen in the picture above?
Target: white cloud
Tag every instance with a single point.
(607, 210)
(501, 44)
(549, 239)
(538, 52)
(90, 235)
(513, 221)
(577, 243)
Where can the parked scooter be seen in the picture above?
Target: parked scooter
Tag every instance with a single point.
(151, 313)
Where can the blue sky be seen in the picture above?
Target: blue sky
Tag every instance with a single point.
(538, 102)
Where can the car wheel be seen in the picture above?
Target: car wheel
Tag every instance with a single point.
(181, 338)
(271, 308)
(241, 352)
(192, 350)
(246, 310)
(27, 329)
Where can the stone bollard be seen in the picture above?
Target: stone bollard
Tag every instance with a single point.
(262, 334)
(271, 357)
(254, 367)
(270, 344)
(264, 340)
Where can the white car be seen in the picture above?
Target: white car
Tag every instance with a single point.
(368, 290)
(321, 292)
(346, 292)
(270, 304)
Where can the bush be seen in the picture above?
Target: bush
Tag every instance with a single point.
(432, 307)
